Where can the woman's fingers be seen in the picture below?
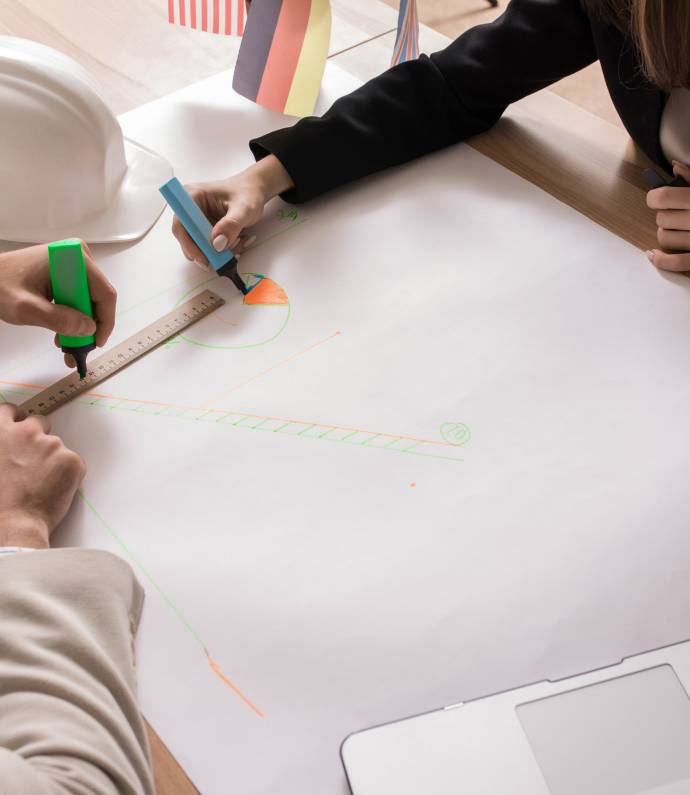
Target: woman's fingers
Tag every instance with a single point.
(103, 298)
(673, 224)
(36, 310)
(668, 198)
(189, 248)
(681, 170)
(673, 239)
(226, 232)
(243, 244)
(231, 206)
(673, 219)
(679, 263)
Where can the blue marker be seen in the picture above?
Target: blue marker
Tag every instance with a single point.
(224, 263)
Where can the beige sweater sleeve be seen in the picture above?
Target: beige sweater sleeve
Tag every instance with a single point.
(69, 723)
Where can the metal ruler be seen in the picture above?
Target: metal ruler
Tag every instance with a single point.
(124, 354)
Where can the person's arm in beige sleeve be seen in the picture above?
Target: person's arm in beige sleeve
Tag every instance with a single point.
(69, 723)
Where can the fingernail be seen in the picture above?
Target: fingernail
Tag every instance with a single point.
(200, 264)
(678, 163)
(220, 242)
(650, 255)
(249, 241)
(234, 243)
(86, 328)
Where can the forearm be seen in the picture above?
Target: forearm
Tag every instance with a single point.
(21, 529)
(427, 104)
(272, 176)
(69, 721)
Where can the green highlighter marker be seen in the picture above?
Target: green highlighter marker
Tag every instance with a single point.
(71, 288)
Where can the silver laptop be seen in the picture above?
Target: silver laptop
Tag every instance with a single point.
(621, 730)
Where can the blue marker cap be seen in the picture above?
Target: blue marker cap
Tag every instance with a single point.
(199, 229)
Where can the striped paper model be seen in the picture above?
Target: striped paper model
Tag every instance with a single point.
(283, 54)
(407, 40)
(227, 17)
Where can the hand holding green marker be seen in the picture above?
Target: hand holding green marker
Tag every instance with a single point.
(71, 288)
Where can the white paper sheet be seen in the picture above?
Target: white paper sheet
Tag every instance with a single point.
(296, 502)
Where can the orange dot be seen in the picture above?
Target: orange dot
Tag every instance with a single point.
(413, 485)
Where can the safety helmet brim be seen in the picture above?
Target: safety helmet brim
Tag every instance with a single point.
(134, 209)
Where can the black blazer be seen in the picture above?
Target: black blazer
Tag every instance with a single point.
(424, 105)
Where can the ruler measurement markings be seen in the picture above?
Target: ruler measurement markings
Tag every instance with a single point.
(123, 354)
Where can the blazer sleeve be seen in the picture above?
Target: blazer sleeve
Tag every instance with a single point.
(69, 722)
(432, 102)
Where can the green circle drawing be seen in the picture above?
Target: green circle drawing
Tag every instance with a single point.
(234, 347)
(455, 433)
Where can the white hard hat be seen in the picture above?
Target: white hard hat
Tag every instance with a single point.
(65, 169)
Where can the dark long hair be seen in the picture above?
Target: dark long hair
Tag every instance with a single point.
(660, 30)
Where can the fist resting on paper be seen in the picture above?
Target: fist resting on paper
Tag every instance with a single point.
(40, 477)
(232, 205)
(26, 297)
(673, 224)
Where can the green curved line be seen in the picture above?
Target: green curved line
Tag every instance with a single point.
(232, 347)
(448, 438)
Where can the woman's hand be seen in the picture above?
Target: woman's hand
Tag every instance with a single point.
(673, 222)
(40, 477)
(26, 297)
(232, 205)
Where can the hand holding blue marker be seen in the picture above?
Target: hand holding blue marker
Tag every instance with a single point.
(224, 263)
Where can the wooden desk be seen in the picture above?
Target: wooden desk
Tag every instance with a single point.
(137, 56)
(582, 160)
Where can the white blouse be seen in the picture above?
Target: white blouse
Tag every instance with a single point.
(675, 126)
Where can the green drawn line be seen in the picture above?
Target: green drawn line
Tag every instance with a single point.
(133, 558)
(422, 455)
(156, 295)
(177, 284)
(141, 568)
(275, 234)
(239, 424)
(455, 433)
(232, 347)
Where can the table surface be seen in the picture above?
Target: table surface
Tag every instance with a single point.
(581, 159)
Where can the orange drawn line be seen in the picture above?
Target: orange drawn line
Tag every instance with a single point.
(182, 407)
(216, 670)
(17, 383)
(290, 358)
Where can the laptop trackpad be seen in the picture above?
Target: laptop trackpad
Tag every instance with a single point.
(624, 736)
